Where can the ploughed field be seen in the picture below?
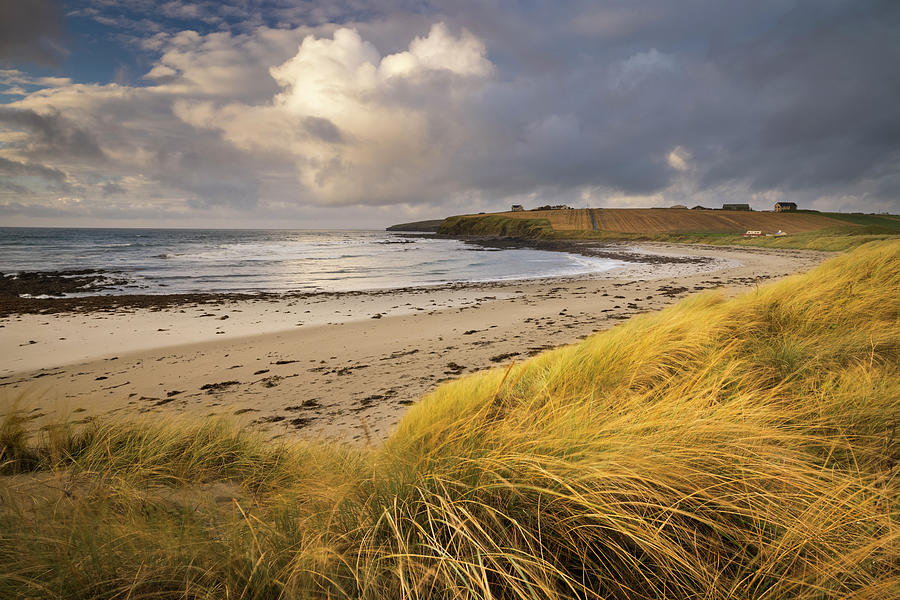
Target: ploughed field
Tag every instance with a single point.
(675, 220)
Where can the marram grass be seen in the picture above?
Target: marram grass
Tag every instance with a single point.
(743, 448)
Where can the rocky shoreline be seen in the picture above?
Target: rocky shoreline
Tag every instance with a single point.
(47, 292)
(58, 283)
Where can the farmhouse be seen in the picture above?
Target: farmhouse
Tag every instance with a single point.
(735, 207)
(517, 208)
(785, 206)
(753, 233)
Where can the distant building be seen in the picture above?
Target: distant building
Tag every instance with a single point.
(752, 233)
(698, 207)
(678, 206)
(785, 206)
(735, 207)
(517, 208)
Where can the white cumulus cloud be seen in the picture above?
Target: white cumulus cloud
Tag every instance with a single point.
(360, 128)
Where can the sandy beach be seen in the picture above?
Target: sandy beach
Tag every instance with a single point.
(343, 366)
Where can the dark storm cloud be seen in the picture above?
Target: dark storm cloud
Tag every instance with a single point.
(821, 92)
(52, 134)
(785, 95)
(31, 31)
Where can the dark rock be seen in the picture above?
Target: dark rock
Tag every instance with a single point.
(218, 387)
(502, 357)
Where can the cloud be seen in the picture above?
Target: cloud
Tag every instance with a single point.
(678, 159)
(642, 65)
(472, 106)
(359, 127)
(323, 130)
(31, 31)
(52, 134)
(98, 132)
(239, 16)
(13, 168)
(111, 188)
(13, 77)
(219, 65)
(439, 51)
(14, 90)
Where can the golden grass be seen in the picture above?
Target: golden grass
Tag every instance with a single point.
(742, 448)
(649, 221)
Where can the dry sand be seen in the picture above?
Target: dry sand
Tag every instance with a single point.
(340, 366)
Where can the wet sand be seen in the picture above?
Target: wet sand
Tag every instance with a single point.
(344, 366)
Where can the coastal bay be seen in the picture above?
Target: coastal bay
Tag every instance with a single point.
(343, 366)
(449, 301)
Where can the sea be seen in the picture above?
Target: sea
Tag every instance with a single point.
(170, 261)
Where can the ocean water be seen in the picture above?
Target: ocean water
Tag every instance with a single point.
(167, 261)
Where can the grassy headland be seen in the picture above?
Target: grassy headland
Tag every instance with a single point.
(860, 229)
(496, 225)
(417, 226)
(720, 448)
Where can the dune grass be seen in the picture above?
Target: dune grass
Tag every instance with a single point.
(720, 448)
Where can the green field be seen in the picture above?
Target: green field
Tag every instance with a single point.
(886, 221)
(720, 448)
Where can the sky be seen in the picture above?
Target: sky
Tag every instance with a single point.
(360, 114)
